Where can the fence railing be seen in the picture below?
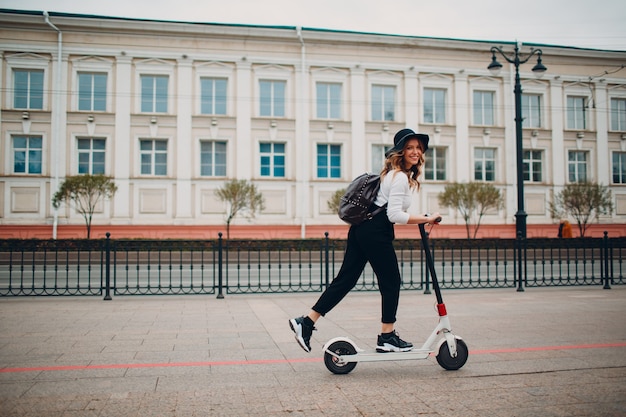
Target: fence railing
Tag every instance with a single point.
(111, 267)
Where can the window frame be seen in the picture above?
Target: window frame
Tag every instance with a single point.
(491, 110)
(331, 171)
(383, 116)
(90, 152)
(153, 152)
(576, 164)
(575, 110)
(155, 67)
(214, 165)
(443, 108)
(273, 73)
(434, 160)
(484, 161)
(28, 151)
(386, 79)
(330, 104)
(527, 111)
(273, 157)
(92, 65)
(30, 62)
(621, 169)
(617, 120)
(377, 160)
(530, 163)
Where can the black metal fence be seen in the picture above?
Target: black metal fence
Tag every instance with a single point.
(108, 267)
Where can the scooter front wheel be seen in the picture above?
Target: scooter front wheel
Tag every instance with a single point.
(445, 359)
(334, 364)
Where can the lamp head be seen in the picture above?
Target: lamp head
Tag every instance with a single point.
(495, 66)
(539, 68)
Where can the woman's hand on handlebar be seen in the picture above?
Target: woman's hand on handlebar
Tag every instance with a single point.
(433, 218)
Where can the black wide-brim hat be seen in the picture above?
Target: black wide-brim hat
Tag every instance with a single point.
(399, 140)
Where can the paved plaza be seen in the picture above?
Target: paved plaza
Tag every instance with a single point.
(541, 352)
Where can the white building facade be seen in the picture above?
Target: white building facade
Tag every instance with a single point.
(173, 110)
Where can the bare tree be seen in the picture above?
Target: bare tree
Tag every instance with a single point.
(84, 192)
(584, 201)
(242, 198)
(473, 200)
(335, 199)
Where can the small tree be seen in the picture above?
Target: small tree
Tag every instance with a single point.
(243, 198)
(473, 200)
(335, 199)
(84, 192)
(584, 201)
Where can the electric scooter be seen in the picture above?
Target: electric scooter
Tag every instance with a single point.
(341, 354)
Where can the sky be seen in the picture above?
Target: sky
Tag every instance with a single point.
(597, 24)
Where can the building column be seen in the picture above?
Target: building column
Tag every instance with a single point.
(463, 158)
(185, 157)
(122, 146)
(602, 113)
(242, 160)
(411, 106)
(558, 156)
(302, 144)
(358, 105)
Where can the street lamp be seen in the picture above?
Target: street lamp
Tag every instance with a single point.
(538, 70)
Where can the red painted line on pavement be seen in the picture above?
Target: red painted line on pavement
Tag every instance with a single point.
(281, 361)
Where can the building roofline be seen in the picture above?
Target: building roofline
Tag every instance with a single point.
(294, 28)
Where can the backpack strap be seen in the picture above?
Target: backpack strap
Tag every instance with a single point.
(371, 214)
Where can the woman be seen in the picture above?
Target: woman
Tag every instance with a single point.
(372, 241)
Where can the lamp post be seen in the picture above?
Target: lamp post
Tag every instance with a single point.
(538, 70)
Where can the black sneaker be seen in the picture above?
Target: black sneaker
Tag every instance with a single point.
(303, 331)
(391, 342)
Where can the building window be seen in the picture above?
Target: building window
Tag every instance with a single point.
(483, 108)
(484, 164)
(91, 153)
(619, 167)
(272, 98)
(532, 166)
(435, 166)
(531, 110)
(213, 159)
(577, 166)
(28, 89)
(328, 100)
(434, 105)
(153, 155)
(378, 157)
(328, 161)
(213, 95)
(576, 113)
(272, 159)
(27, 154)
(92, 91)
(383, 102)
(154, 93)
(618, 114)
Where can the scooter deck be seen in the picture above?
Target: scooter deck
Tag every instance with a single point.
(369, 356)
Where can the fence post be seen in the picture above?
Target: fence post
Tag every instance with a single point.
(107, 261)
(520, 262)
(326, 260)
(220, 266)
(605, 250)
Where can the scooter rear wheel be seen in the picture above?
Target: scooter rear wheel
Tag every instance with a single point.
(447, 361)
(333, 364)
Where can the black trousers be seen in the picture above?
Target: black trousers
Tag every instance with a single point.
(371, 241)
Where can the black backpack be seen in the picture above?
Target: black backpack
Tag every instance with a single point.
(360, 195)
